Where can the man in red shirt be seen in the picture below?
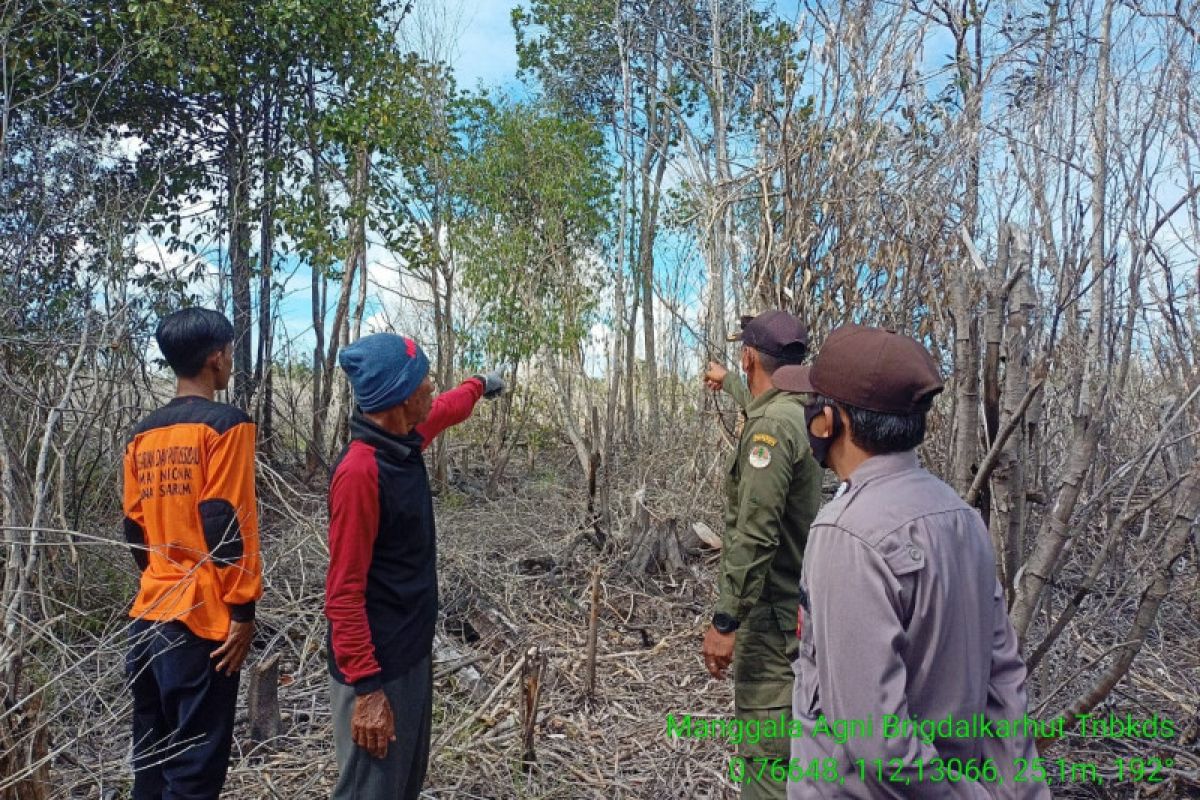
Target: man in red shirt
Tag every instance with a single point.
(381, 588)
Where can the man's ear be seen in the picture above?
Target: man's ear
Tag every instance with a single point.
(213, 362)
(822, 424)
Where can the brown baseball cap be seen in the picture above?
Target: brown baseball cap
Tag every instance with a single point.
(869, 368)
(776, 333)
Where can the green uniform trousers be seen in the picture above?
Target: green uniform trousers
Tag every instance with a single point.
(762, 690)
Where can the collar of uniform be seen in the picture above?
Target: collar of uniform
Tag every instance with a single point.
(398, 447)
(759, 404)
(879, 466)
(187, 398)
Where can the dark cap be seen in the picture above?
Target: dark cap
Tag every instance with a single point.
(869, 368)
(776, 333)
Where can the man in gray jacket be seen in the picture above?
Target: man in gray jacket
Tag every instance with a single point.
(909, 682)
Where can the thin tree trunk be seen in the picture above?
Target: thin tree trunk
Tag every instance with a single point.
(314, 454)
(443, 334)
(722, 230)
(655, 148)
(266, 254)
(1055, 530)
(623, 334)
(993, 328)
(620, 332)
(238, 188)
(339, 331)
(1009, 481)
(631, 368)
(966, 383)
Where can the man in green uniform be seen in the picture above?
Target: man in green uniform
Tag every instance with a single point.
(773, 491)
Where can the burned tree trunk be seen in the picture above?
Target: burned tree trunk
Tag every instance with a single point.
(655, 548)
(531, 692)
(262, 699)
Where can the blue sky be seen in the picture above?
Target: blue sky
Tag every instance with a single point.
(484, 56)
(487, 51)
(478, 41)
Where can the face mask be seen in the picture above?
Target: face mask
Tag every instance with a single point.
(820, 444)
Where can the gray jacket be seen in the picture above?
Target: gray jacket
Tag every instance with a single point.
(902, 618)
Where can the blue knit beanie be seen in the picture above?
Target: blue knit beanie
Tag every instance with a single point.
(384, 370)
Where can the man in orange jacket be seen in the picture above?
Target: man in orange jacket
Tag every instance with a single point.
(191, 521)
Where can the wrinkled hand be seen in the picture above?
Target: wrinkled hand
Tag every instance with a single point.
(714, 376)
(233, 652)
(718, 651)
(493, 384)
(372, 725)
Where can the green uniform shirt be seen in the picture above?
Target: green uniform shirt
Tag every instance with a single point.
(773, 491)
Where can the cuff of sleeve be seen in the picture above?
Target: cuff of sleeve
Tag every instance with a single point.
(371, 683)
(243, 612)
(729, 608)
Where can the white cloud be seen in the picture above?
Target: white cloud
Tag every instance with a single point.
(476, 39)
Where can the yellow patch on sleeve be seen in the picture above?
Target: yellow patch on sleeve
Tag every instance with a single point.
(765, 438)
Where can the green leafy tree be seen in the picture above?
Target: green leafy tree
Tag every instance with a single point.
(536, 196)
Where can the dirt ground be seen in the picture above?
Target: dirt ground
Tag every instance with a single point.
(515, 573)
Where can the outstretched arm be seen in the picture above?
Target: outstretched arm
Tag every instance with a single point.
(717, 377)
(450, 408)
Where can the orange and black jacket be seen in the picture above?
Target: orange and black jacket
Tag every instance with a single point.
(190, 516)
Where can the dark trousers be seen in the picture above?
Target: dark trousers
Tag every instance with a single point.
(400, 774)
(182, 713)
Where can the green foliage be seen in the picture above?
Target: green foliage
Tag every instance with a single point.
(535, 197)
(571, 47)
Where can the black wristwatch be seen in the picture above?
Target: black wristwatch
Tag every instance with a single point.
(724, 623)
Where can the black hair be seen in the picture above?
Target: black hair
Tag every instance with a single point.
(770, 363)
(189, 336)
(879, 433)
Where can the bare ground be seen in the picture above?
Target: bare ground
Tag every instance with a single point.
(522, 555)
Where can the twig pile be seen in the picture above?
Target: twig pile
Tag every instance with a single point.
(514, 576)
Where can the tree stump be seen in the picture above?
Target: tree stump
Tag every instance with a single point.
(24, 743)
(656, 548)
(593, 627)
(263, 701)
(531, 689)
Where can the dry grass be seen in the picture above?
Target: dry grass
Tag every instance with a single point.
(648, 654)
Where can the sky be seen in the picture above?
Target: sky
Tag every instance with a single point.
(483, 55)
(487, 50)
(477, 40)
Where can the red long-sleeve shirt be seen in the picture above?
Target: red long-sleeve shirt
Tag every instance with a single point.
(450, 408)
(381, 587)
